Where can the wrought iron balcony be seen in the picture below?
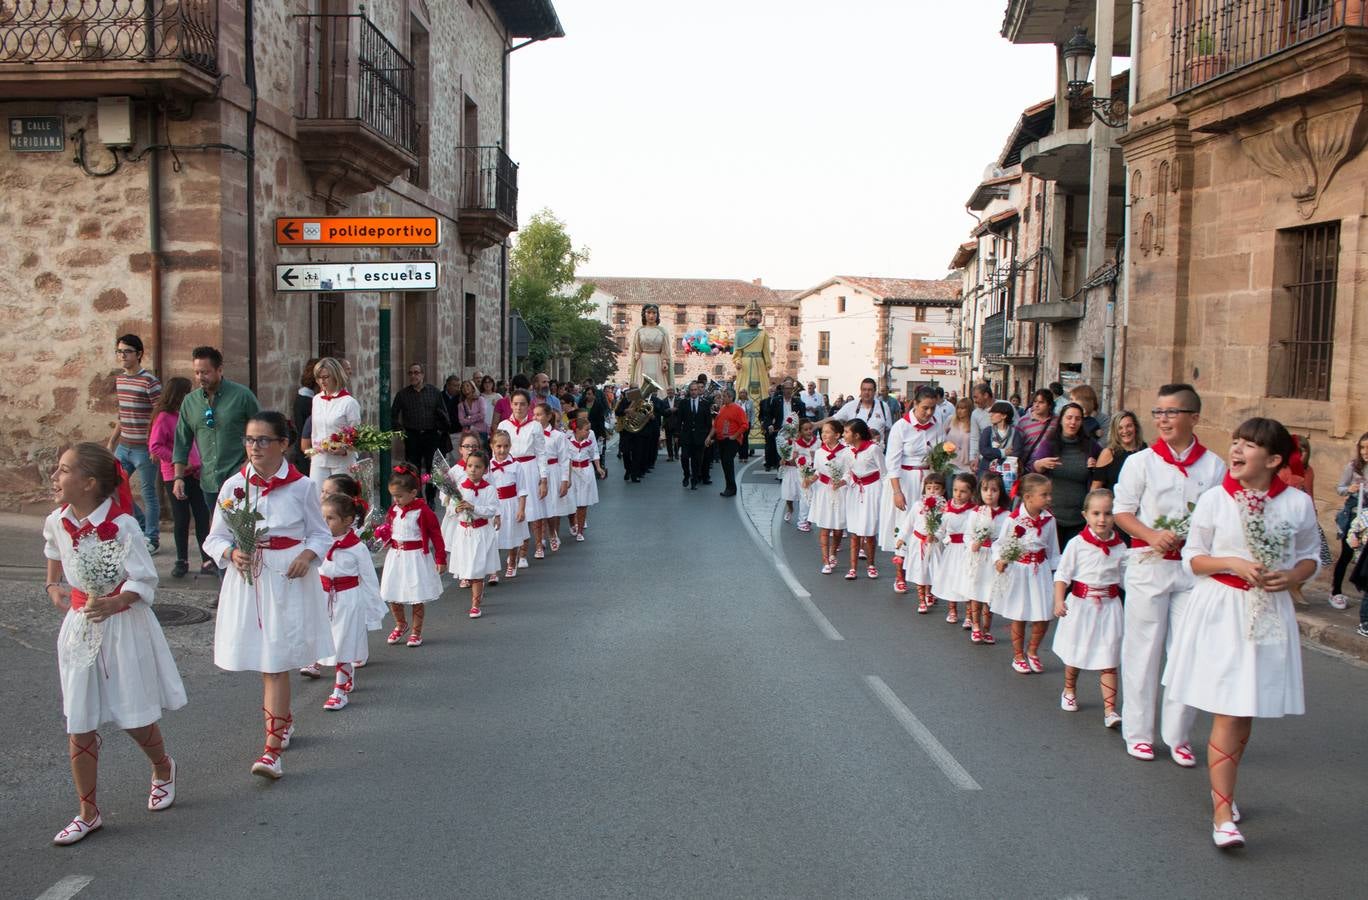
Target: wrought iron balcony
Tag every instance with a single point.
(357, 119)
(90, 48)
(488, 204)
(1212, 38)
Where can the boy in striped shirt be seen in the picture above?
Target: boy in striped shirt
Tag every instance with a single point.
(139, 392)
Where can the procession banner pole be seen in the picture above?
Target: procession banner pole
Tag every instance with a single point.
(384, 391)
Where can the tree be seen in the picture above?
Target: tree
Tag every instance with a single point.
(542, 290)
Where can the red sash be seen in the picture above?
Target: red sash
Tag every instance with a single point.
(474, 523)
(409, 545)
(523, 459)
(341, 583)
(1096, 591)
(1172, 555)
(863, 480)
(957, 538)
(580, 463)
(553, 461)
(915, 468)
(1224, 578)
(508, 492)
(80, 598)
(278, 543)
(1034, 558)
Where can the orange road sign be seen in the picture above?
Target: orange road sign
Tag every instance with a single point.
(364, 231)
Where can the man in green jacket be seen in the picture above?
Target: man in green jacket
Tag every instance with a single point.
(213, 417)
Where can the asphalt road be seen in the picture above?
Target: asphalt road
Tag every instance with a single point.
(658, 712)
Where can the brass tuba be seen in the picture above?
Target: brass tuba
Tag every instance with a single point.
(640, 409)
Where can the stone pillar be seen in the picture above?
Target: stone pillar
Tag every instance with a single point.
(1103, 140)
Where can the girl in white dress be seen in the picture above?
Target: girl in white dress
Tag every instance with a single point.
(1087, 592)
(467, 444)
(985, 527)
(376, 611)
(510, 482)
(585, 471)
(353, 590)
(951, 577)
(333, 410)
(806, 451)
(475, 550)
(272, 614)
(412, 575)
(827, 511)
(557, 463)
(132, 677)
(1026, 593)
(526, 439)
(791, 479)
(865, 477)
(1236, 653)
(918, 549)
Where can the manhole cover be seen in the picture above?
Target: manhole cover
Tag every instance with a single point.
(178, 614)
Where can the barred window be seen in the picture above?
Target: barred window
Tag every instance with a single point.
(824, 348)
(1303, 315)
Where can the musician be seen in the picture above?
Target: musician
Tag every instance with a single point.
(695, 424)
(650, 442)
(632, 444)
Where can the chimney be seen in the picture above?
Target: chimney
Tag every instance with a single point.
(757, 282)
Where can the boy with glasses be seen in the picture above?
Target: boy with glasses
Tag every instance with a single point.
(138, 391)
(1155, 494)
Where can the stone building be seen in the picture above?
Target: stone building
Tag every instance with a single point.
(195, 125)
(687, 304)
(1247, 180)
(900, 331)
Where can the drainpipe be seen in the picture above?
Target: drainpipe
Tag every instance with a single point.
(249, 66)
(154, 243)
(1121, 290)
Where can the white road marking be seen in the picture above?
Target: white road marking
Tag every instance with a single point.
(67, 888)
(780, 562)
(922, 735)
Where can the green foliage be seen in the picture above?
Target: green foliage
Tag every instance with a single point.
(542, 291)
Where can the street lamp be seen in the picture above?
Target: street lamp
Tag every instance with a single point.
(1078, 58)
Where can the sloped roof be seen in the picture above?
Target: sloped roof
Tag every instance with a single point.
(966, 251)
(689, 291)
(888, 289)
(529, 18)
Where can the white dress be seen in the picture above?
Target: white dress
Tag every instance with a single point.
(558, 473)
(909, 444)
(863, 490)
(331, 413)
(510, 481)
(791, 486)
(828, 509)
(951, 576)
(275, 623)
(1213, 664)
(981, 573)
(1089, 636)
(921, 550)
(353, 609)
(416, 553)
(475, 548)
(134, 676)
(1027, 590)
(529, 453)
(583, 475)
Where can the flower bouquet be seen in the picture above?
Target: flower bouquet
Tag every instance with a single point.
(1268, 545)
(369, 439)
(942, 458)
(933, 512)
(836, 472)
(339, 443)
(242, 519)
(98, 566)
(364, 471)
(1012, 551)
(1179, 525)
(980, 535)
(448, 485)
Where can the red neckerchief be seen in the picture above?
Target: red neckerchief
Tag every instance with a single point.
(496, 466)
(862, 448)
(459, 463)
(1037, 523)
(580, 445)
(1164, 452)
(546, 432)
(338, 395)
(1233, 487)
(1105, 546)
(807, 445)
(958, 509)
(920, 426)
(414, 505)
(518, 425)
(472, 486)
(105, 530)
(347, 540)
(998, 510)
(290, 477)
(832, 451)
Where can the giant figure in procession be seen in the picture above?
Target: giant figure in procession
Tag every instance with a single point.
(652, 350)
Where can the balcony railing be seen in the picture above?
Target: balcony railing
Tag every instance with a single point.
(1212, 38)
(94, 31)
(352, 72)
(994, 339)
(489, 181)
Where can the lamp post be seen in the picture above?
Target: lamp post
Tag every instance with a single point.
(1078, 58)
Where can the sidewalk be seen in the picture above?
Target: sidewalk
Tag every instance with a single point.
(1321, 624)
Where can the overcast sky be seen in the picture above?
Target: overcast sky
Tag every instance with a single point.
(788, 140)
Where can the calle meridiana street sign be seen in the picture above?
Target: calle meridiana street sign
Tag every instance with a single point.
(353, 231)
(355, 277)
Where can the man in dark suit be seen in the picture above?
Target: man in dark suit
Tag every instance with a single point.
(695, 424)
(773, 412)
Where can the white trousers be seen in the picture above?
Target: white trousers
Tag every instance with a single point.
(890, 515)
(324, 465)
(1157, 592)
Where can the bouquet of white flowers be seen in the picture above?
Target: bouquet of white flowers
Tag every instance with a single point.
(836, 472)
(98, 566)
(1179, 525)
(1268, 545)
(980, 533)
(448, 485)
(1012, 551)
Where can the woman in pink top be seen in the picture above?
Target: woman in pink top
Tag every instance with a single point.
(161, 443)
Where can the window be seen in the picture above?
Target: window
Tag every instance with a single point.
(711, 317)
(471, 329)
(769, 319)
(619, 318)
(823, 386)
(919, 314)
(678, 369)
(740, 319)
(681, 317)
(795, 322)
(717, 371)
(621, 343)
(824, 348)
(1303, 315)
(330, 326)
(840, 304)
(794, 346)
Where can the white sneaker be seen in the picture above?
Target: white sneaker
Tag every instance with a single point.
(1068, 702)
(522, 562)
(1111, 720)
(268, 766)
(1339, 601)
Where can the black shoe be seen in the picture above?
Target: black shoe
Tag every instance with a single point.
(180, 569)
(626, 475)
(685, 483)
(636, 480)
(728, 494)
(707, 481)
(694, 486)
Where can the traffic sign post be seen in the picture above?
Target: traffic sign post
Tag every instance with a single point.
(354, 277)
(353, 231)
